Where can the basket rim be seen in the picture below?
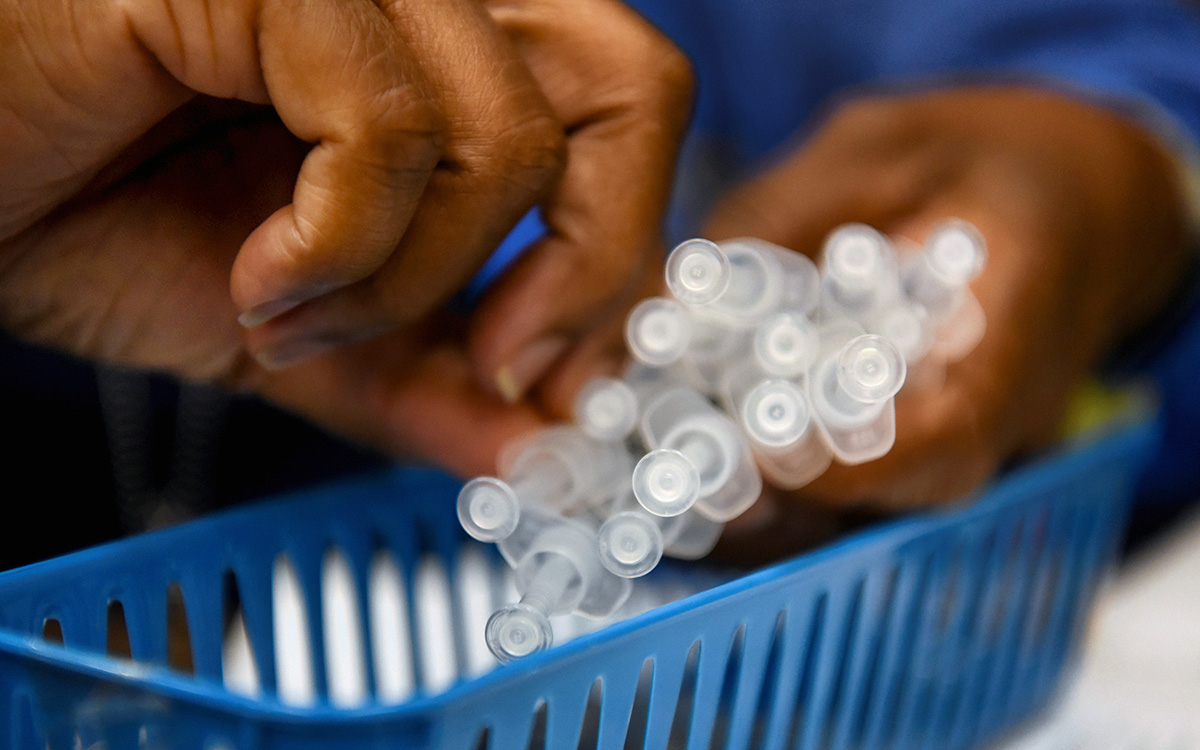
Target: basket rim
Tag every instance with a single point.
(1005, 492)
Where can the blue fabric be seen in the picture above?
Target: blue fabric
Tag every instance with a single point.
(767, 69)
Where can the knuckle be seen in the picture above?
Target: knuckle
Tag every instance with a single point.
(403, 126)
(527, 153)
(664, 75)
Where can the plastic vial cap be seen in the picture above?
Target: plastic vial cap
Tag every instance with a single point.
(658, 331)
(956, 252)
(516, 631)
(775, 413)
(697, 272)
(906, 326)
(665, 482)
(786, 345)
(854, 256)
(870, 369)
(630, 544)
(606, 409)
(488, 509)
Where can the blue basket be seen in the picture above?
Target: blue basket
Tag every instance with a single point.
(939, 631)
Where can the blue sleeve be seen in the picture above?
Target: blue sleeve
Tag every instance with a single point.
(766, 67)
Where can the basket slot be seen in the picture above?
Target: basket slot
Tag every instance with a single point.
(116, 635)
(437, 666)
(473, 586)
(673, 681)
(771, 677)
(952, 662)
(1080, 549)
(359, 550)
(623, 686)
(712, 673)
(1051, 548)
(52, 630)
(344, 642)
(845, 604)
(569, 713)
(980, 636)
(390, 630)
(144, 619)
(238, 665)
(879, 721)
(934, 596)
(866, 682)
(202, 589)
(797, 668)
(308, 563)
(254, 579)
(758, 639)
(1024, 561)
(293, 646)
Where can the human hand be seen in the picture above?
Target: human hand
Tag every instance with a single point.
(1086, 234)
(118, 245)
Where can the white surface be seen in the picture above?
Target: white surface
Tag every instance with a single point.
(1139, 684)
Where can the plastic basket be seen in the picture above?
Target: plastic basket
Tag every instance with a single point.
(938, 631)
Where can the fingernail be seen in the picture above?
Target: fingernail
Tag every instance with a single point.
(288, 353)
(525, 369)
(260, 314)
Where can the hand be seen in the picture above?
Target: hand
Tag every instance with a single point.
(1086, 234)
(425, 155)
(128, 199)
(623, 92)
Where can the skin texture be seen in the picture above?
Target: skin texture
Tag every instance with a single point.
(1086, 235)
(329, 173)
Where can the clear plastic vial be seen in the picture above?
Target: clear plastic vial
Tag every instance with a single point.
(859, 272)
(938, 278)
(630, 543)
(658, 331)
(852, 397)
(777, 420)
(606, 409)
(697, 272)
(786, 345)
(801, 289)
(560, 573)
(755, 289)
(683, 420)
(665, 482)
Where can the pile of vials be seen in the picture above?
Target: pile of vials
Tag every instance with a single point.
(758, 365)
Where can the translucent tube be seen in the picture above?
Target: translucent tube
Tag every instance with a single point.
(658, 331)
(859, 271)
(689, 536)
(777, 420)
(556, 471)
(665, 482)
(756, 286)
(595, 470)
(489, 508)
(630, 543)
(560, 573)
(852, 397)
(905, 324)
(786, 345)
(606, 409)
(833, 335)
(683, 420)
(801, 289)
(954, 255)
(938, 279)
(697, 271)
(714, 345)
